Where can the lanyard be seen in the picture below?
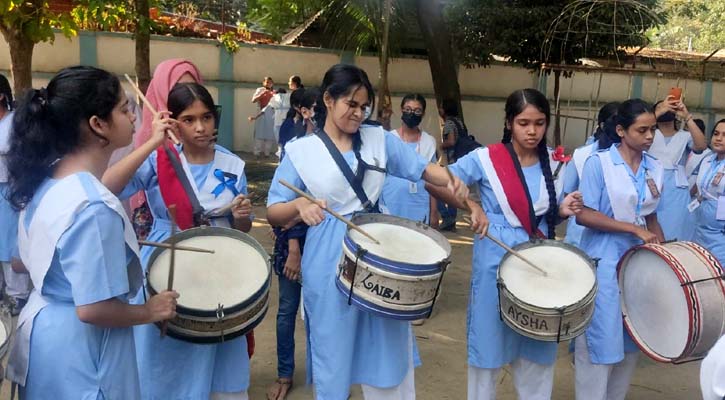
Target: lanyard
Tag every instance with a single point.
(715, 167)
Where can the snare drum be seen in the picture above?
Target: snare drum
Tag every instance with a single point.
(400, 277)
(549, 308)
(673, 300)
(222, 295)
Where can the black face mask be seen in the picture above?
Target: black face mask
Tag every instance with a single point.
(411, 120)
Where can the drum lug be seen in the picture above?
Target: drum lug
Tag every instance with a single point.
(499, 285)
(443, 265)
(596, 262)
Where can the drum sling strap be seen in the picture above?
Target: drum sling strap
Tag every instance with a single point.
(354, 179)
(174, 184)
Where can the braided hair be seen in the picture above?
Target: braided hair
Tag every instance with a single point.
(515, 105)
(7, 101)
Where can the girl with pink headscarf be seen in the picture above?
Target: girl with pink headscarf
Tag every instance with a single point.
(167, 74)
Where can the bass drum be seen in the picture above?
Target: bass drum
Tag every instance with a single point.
(673, 300)
(222, 295)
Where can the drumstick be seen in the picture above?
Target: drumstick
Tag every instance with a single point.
(168, 246)
(516, 253)
(151, 108)
(228, 207)
(333, 213)
(170, 282)
(502, 244)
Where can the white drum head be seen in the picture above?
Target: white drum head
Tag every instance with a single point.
(654, 303)
(569, 276)
(399, 243)
(233, 274)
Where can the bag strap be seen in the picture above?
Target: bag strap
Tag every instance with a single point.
(354, 180)
(196, 209)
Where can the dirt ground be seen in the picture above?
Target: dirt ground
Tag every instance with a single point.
(442, 344)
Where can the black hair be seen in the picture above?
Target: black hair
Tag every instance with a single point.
(341, 80)
(7, 100)
(183, 95)
(605, 112)
(627, 113)
(295, 99)
(450, 108)
(281, 91)
(700, 124)
(47, 125)
(413, 97)
(515, 105)
(309, 98)
(297, 81)
(715, 126)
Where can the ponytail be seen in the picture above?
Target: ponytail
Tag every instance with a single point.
(47, 125)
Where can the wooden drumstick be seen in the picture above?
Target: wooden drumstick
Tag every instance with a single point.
(151, 108)
(224, 210)
(170, 281)
(502, 244)
(168, 246)
(333, 213)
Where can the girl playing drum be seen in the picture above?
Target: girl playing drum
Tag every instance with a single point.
(621, 186)
(170, 368)
(515, 211)
(73, 339)
(347, 345)
(710, 202)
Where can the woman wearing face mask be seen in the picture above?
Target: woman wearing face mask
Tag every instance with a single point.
(670, 146)
(401, 197)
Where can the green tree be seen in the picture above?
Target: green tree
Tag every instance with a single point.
(691, 24)
(534, 32)
(23, 23)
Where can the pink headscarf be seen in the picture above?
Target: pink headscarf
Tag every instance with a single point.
(166, 75)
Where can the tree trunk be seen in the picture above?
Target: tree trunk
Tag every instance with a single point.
(443, 68)
(557, 113)
(385, 109)
(21, 60)
(143, 39)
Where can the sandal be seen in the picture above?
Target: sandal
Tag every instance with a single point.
(279, 389)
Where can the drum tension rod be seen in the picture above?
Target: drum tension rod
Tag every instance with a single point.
(499, 285)
(561, 318)
(443, 266)
(220, 317)
(360, 252)
(721, 276)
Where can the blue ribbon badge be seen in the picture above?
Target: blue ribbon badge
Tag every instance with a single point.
(227, 180)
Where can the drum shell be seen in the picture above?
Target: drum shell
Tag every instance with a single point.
(5, 342)
(705, 299)
(540, 323)
(214, 326)
(389, 288)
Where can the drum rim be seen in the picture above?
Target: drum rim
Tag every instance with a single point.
(361, 219)
(662, 251)
(556, 243)
(215, 231)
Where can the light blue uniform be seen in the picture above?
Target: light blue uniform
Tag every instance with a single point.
(605, 336)
(571, 184)
(70, 359)
(491, 343)
(676, 220)
(8, 216)
(172, 369)
(710, 231)
(404, 198)
(346, 345)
